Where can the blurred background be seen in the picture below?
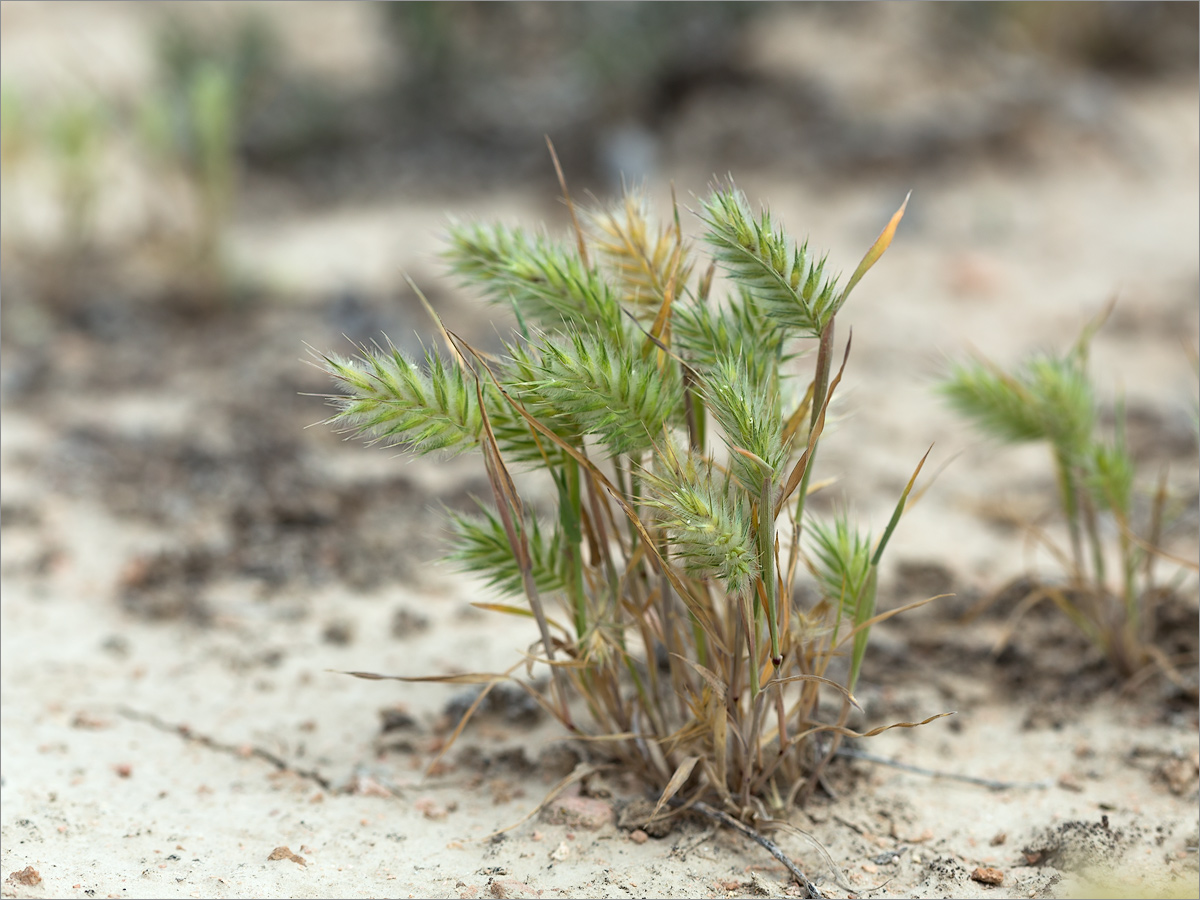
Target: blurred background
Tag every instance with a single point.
(196, 194)
(193, 192)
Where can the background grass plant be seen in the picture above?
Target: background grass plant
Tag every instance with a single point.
(1112, 588)
(680, 439)
(190, 128)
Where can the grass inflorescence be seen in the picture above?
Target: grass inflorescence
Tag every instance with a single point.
(681, 438)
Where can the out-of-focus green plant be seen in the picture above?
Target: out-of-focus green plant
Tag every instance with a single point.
(15, 136)
(247, 49)
(191, 125)
(76, 132)
(681, 453)
(1051, 399)
(195, 137)
(212, 103)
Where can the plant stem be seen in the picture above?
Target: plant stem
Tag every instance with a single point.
(766, 552)
(820, 387)
(570, 510)
(1066, 486)
(864, 609)
(508, 505)
(635, 496)
(810, 889)
(1093, 536)
(601, 548)
(1149, 594)
(691, 413)
(751, 627)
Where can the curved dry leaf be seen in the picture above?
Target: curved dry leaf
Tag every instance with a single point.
(851, 733)
(559, 663)
(882, 728)
(682, 772)
(461, 678)
(510, 610)
(884, 616)
(877, 249)
(850, 698)
(707, 674)
(462, 723)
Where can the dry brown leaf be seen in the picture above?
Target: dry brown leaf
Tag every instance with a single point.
(286, 853)
(682, 771)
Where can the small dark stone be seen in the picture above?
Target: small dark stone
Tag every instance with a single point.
(339, 632)
(633, 815)
(558, 760)
(406, 623)
(509, 701)
(393, 719)
(116, 644)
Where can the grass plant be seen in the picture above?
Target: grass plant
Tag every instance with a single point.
(76, 134)
(1112, 589)
(680, 434)
(194, 135)
(190, 127)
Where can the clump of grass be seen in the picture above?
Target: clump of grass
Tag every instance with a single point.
(681, 441)
(1112, 589)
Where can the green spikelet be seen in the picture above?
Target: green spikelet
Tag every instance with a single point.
(625, 400)
(1046, 398)
(748, 411)
(547, 283)
(847, 575)
(841, 558)
(782, 276)
(390, 398)
(706, 333)
(707, 520)
(639, 253)
(479, 545)
(1111, 471)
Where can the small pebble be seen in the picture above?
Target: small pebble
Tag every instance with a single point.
(339, 632)
(28, 876)
(579, 812)
(638, 836)
(1069, 782)
(987, 875)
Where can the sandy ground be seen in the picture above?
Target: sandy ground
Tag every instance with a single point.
(143, 759)
(186, 570)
